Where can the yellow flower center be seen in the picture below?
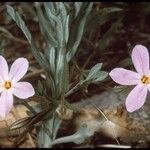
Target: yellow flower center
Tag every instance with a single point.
(7, 85)
(145, 79)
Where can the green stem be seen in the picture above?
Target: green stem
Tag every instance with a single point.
(75, 88)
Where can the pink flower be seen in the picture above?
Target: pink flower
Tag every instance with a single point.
(9, 84)
(141, 78)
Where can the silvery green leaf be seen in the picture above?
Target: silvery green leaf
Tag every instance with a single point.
(50, 55)
(52, 59)
(51, 11)
(44, 62)
(79, 85)
(60, 35)
(79, 137)
(66, 29)
(67, 5)
(83, 133)
(46, 28)
(78, 6)
(93, 72)
(101, 75)
(50, 82)
(59, 25)
(62, 73)
(43, 139)
(17, 18)
(48, 131)
(53, 125)
(53, 7)
(64, 19)
(77, 31)
(63, 12)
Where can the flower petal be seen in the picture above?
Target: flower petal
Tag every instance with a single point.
(23, 90)
(140, 58)
(148, 86)
(124, 77)
(6, 103)
(1, 89)
(136, 98)
(18, 69)
(3, 69)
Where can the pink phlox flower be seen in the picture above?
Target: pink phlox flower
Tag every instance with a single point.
(141, 78)
(10, 85)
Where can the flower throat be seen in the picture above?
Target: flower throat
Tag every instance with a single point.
(7, 85)
(145, 79)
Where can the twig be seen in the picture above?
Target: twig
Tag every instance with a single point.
(114, 146)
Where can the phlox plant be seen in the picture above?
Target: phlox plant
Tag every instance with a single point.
(62, 26)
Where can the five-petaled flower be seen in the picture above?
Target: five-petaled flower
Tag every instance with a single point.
(141, 78)
(9, 84)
